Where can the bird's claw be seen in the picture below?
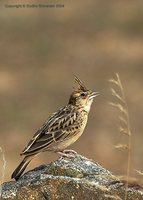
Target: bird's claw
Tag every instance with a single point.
(68, 153)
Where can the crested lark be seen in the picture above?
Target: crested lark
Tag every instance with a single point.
(62, 129)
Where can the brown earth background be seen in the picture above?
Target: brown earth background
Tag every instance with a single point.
(40, 51)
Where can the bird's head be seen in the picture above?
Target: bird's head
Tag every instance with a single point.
(82, 97)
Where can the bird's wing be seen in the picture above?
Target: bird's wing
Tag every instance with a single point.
(52, 131)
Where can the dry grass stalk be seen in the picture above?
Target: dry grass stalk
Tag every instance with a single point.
(121, 146)
(124, 128)
(3, 168)
(139, 172)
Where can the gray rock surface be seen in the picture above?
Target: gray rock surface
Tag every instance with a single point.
(76, 178)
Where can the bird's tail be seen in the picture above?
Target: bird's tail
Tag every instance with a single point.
(21, 167)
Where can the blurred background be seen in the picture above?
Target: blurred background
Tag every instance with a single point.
(41, 49)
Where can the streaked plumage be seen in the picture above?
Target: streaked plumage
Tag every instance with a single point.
(62, 129)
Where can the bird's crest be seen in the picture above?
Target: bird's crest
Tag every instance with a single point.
(81, 86)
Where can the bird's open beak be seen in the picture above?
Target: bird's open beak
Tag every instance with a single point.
(94, 94)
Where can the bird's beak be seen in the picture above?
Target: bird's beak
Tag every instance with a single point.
(94, 94)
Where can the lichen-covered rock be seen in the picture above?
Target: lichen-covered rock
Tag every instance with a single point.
(66, 179)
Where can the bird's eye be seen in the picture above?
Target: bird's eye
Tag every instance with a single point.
(83, 94)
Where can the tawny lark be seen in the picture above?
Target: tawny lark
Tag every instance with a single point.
(62, 129)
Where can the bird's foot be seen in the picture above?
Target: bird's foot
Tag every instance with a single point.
(68, 153)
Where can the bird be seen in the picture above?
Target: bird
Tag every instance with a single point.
(61, 129)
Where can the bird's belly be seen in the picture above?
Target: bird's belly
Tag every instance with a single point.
(59, 146)
(64, 144)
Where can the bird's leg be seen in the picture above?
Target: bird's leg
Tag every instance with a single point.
(68, 153)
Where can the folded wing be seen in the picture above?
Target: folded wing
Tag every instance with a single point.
(58, 127)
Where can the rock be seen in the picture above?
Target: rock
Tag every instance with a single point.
(75, 178)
